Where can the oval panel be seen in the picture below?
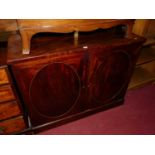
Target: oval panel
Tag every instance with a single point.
(110, 76)
(55, 89)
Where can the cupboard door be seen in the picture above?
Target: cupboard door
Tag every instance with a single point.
(111, 70)
(52, 87)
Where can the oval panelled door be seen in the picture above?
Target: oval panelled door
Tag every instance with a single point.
(110, 76)
(55, 89)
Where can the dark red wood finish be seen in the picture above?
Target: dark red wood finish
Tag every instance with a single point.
(60, 80)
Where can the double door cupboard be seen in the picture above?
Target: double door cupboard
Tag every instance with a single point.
(61, 81)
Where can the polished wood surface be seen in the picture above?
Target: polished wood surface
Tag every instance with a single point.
(8, 25)
(28, 27)
(144, 27)
(58, 42)
(9, 109)
(12, 126)
(141, 26)
(59, 79)
(110, 74)
(6, 93)
(3, 76)
(144, 72)
(68, 86)
(69, 25)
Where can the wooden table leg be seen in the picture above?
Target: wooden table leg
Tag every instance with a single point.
(26, 39)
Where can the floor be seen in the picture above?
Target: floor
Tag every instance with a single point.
(135, 117)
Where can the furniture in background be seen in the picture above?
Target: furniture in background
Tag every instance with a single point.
(11, 115)
(7, 27)
(29, 27)
(145, 68)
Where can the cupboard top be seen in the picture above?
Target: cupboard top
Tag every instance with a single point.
(46, 44)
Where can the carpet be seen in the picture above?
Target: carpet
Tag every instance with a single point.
(135, 117)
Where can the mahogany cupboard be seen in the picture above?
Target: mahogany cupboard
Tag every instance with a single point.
(61, 81)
